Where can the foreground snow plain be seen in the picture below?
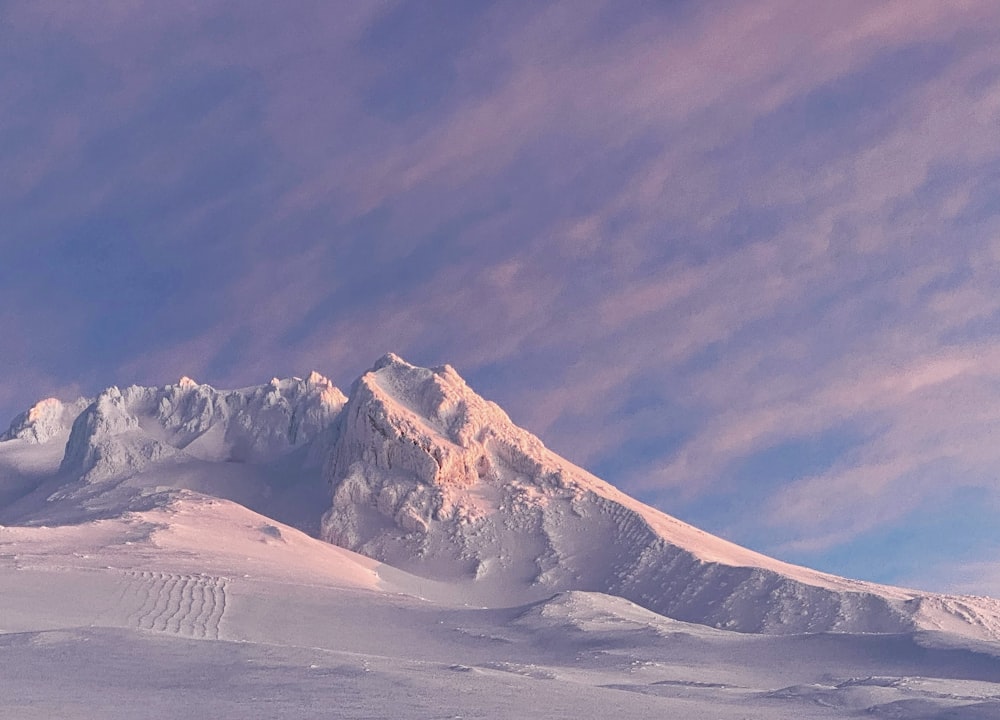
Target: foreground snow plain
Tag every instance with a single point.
(158, 576)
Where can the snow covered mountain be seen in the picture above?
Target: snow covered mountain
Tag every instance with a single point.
(429, 477)
(417, 471)
(160, 555)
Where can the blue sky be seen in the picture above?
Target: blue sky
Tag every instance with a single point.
(740, 259)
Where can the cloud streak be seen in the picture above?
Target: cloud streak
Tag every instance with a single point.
(667, 239)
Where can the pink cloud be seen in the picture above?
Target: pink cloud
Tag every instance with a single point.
(692, 92)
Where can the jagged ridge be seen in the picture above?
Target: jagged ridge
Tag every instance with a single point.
(122, 431)
(44, 420)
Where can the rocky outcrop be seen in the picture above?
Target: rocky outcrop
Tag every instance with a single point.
(255, 424)
(413, 444)
(122, 431)
(44, 421)
(107, 441)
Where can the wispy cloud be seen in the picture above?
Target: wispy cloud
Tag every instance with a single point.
(668, 239)
(972, 578)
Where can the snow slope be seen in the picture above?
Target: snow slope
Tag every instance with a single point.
(201, 608)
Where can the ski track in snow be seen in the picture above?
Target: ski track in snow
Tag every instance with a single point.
(179, 604)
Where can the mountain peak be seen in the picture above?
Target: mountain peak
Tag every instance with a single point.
(429, 477)
(390, 359)
(44, 421)
(317, 380)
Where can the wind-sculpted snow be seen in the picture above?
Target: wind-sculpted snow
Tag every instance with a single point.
(123, 431)
(176, 603)
(429, 477)
(44, 421)
(107, 440)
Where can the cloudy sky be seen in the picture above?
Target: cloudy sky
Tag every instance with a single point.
(742, 259)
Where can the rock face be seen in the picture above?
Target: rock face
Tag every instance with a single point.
(429, 477)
